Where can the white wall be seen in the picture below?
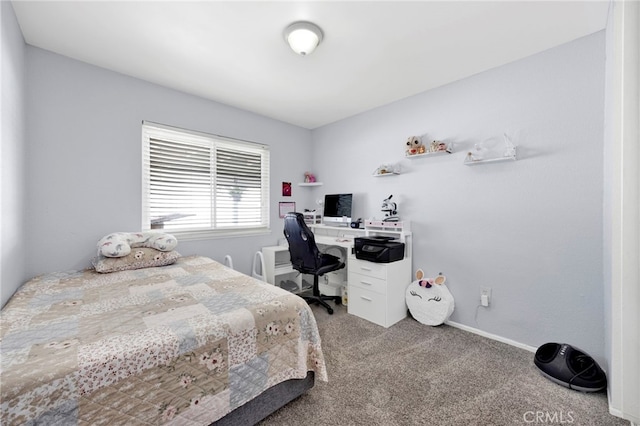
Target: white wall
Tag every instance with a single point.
(85, 158)
(12, 155)
(531, 229)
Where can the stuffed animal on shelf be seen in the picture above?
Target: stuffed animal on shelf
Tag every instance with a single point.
(309, 178)
(429, 300)
(384, 169)
(414, 146)
(442, 146)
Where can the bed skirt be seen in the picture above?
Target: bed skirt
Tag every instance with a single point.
(268, 402)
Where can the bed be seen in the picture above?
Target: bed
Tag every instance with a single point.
(191, 343)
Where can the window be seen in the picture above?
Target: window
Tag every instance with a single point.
(200, 185)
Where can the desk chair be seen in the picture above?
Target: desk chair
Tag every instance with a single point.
(307, 259)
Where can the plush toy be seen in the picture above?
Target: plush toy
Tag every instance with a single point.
(414, 146)
(442, 146)
(384, 169)
(119, 244)
(429, 299)
(309, 178)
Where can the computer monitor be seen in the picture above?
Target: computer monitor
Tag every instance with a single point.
(337, 209)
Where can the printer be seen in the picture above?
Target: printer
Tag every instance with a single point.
(378, 249)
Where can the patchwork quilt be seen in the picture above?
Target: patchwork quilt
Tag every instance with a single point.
(180, 344)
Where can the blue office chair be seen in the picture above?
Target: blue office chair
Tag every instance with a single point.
(307, 259)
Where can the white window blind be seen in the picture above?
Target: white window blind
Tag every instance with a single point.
(196, 184)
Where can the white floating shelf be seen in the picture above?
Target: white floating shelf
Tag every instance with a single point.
(310, 184)
(428, 154)
(494, 154)
(510, 157)
(489, 160)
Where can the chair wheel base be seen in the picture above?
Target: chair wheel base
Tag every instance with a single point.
(320, 301)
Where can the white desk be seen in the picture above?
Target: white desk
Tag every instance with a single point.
(376, 291)
(342, 235)
(278, 269)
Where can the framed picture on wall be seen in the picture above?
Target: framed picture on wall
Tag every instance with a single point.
(286, 207)
(286, 189)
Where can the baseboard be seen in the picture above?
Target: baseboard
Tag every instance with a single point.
(632, 420)
(614, 411)
(492, 336)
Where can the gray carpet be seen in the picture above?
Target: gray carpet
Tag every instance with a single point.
(412, 374)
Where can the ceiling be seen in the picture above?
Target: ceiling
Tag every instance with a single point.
(373, 53)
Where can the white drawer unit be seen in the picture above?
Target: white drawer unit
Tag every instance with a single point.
(377, 290)
(365, 282)
(367, 304)
(369, 269)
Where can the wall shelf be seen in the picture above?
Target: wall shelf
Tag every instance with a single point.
(469, 162)
(433, 149)
(384, 170)
(491, 151)
(310, 184)
(428, 154)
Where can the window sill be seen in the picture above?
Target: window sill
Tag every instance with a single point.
(213, 235)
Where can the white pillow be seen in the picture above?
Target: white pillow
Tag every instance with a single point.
(430, 306)
(119, 244)
(140, 257)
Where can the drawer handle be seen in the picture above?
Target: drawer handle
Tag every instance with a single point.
(365, 268)
(365, 298)
(366, 283)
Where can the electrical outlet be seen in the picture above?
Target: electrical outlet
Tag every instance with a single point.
(485, 296)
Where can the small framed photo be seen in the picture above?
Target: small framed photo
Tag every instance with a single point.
(286, 189)
(286, 207)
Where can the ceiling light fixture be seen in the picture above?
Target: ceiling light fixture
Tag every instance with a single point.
(303, 37)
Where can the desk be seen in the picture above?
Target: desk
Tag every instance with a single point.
(278, 269)
(376, 291)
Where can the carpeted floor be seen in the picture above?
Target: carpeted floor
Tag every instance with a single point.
(412, 374)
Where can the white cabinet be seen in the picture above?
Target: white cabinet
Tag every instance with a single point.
(278, 270)
(377, 290)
